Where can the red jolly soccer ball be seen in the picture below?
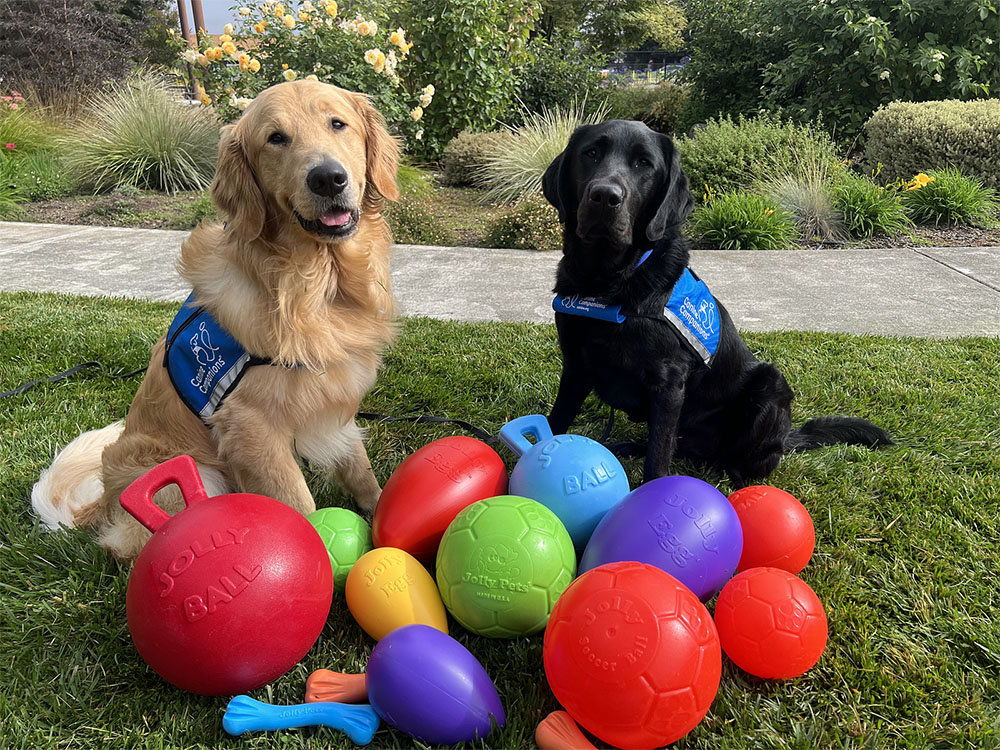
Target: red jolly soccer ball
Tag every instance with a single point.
(777, 529)
(771, 624)
(632, 655)
(230, 592)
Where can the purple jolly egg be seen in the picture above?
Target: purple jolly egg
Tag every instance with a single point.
(427, 684)
(680, 524)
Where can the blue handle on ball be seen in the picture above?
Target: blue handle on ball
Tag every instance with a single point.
(244, 714)
(514, 433)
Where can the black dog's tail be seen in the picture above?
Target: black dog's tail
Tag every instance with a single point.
(831, 430)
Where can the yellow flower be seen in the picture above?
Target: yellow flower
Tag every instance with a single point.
(372, 28)
(204, 98)
(290, 21)
(425, 100)
(363, 28)
(331, 9)
(245, 11)
(279, 11)
(284, 66)
(229, 48)
(379, 65)
(768, 212)
(203, 60)
(429, 90)
(259, 28)
(244, 60)
(416, 113)
(228, 29)
(371, 56)
(312, 77)
(304, 17)
(254, 66)
(225, 38)
(290, 75)
(398, 37)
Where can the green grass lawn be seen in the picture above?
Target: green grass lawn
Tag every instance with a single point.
(906, 563)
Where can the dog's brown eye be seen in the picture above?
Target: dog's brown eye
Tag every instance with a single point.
(640, 162)
(277, 138)
(590, 153)
(338, 124)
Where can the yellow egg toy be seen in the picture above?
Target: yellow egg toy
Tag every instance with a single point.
(388, 588)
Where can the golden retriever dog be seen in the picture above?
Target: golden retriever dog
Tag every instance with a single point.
(299, 276)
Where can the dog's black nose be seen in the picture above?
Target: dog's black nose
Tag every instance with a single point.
(607, 194)
(328, 179)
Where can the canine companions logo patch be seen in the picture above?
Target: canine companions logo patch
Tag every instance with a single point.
(211, 364)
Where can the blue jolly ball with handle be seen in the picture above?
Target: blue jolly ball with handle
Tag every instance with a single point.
(575, 477)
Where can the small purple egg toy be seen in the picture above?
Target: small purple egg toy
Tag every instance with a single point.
(427, 684)
(680, 524)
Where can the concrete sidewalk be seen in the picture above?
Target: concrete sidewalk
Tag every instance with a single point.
(934, 292)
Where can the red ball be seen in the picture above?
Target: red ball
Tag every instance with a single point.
(229, 593)
(771, 624)
(632, 655)
(430, 487)
(777, 529)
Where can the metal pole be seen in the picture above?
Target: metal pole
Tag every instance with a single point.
(199, 17)
(191, 40)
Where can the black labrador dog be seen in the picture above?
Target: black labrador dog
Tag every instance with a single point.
(678, 364)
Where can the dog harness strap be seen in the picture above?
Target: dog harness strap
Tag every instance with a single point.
(691, 311)
(204, 362)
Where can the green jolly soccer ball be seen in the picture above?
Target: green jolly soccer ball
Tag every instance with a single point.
(346, 536)
(502, 564)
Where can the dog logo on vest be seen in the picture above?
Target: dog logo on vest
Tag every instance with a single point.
(201, 346)
(706, 314)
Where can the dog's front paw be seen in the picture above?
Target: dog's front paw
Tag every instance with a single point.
(368, 499)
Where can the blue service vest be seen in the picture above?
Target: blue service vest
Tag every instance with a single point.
(691, 311)
(204, 362)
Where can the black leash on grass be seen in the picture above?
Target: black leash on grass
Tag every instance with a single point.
(618, 448)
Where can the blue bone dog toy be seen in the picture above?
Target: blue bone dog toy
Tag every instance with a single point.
(244, 714)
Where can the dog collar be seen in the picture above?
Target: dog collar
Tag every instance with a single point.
(691, 311)
(204, 361)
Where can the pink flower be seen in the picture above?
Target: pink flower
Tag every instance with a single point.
(14, 93)
(7, 98)
(15, 105)
(10, 145)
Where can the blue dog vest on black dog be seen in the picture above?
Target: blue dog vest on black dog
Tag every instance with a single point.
(203, 360)
(691, 310)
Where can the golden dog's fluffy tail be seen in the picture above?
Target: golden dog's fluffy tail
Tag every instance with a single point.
(69, 491)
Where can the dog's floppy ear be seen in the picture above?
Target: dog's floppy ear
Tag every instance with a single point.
(557, 183)
(235, 189)
(676, 202)
(382, 158)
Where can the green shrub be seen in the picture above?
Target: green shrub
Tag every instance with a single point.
(912, 137)
(840, 60)
(561, 71)
(414, 222)
(40, 175)
(728, 155)
(661, 106)
(414, 181)
(134, 133)
(869, 209)
(515, 169)
(529, 224)
(27, 129)
(467, 152)
(949, 197)
(11, 194)
(743, 221)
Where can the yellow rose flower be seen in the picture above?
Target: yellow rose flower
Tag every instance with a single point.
(416, 113)
(259, 28)
(290, 75)
(372, 28)
(203, 60)
(304, 17)
(279, 11)
(371, 56)
(228, 29)
(290, 21)
(229, 48)
(398, 38)
(225, 38)
(205, 99)
(379, 65)
(425, 101)
(429, 90)
(284, 66)
(245, 11)
(363, 28)
(312, 77)
(254, 66)
(244, 60)
(331, 9)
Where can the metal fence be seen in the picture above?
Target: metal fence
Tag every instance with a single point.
(650, 66)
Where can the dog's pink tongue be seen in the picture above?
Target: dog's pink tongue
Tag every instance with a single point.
(335, 218)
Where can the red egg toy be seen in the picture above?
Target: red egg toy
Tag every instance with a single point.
(427, 490)
(777, 529)
(771, 624)
(632, 655)
(229, 593)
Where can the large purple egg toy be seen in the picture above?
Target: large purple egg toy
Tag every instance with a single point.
(575, 477)
(427, 684)
(680, 524)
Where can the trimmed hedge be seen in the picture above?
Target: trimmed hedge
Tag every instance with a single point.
(466, 153)
(912, 137)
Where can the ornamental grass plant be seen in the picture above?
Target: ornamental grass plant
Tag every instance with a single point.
(743, 221)
(134, 133)
(514, 170)
(868, 208)
(949, 197)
